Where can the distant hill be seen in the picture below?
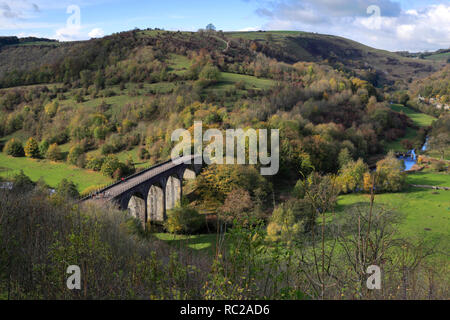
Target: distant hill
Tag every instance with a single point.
(379, 67)
(11, 41)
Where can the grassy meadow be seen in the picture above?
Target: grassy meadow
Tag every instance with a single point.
(419, 119)
(51, 172)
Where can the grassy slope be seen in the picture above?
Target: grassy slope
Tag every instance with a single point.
(317, 47)
(203, 242)
(52, 172)
(426, 211)
(419, 119)
(439, 56)
(228, 80)
(396, 145)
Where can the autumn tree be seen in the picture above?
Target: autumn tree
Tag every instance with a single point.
(32, 149)
(237, 205)
(390, 175)
(440, 143)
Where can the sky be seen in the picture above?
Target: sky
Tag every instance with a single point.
(396, 25)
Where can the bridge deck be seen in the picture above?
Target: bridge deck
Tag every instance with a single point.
(122, 186)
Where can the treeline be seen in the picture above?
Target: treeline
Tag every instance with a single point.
(4, 41)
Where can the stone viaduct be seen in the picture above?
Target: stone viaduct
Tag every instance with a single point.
(150, 193)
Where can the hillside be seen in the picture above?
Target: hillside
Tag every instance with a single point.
(379, 67)
(75, 117)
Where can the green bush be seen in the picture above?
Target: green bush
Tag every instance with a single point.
(43, 147)
(54, 153)
(110, 165)
(67, 190)
(22, 182)
(14, 148)
(75, 153)
(183, 220)
(95, 163)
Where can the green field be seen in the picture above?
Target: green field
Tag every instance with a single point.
(179, 64)
(396, 145)
(228, 80)
(51, 172)
(427, 212)
(439, 56)
(203, 242)
(419, 119)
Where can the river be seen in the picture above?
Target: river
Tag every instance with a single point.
(412, 160)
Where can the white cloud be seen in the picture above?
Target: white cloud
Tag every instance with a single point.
(414, 30)
(70, 33)
(248, 29)
(96, 33)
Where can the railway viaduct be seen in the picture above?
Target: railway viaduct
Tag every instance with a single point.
(150, 193)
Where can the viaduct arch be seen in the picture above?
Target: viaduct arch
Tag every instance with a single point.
(147, 195)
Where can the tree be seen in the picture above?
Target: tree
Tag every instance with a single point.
(74, 154)
(210, 27)
(14, 148)
(32, 149)
(440, 143)
(43, 147)
(407, 144)
(288, 221)
(22, 182)
(183, 220)
(390, 175)
(320, 193)
(85, 78)
(351, 177)
(67, 190)
(99, 80)
(344, 157)
(54, 153)
(237, 206)
(210, 73)
(110, 165)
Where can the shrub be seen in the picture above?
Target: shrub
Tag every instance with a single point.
(67, 190)
(32, 149)
(113, 168)
(95, 163)
(14, 148)
(143, 154)
(110, 165)
(51, 109)
(22, 182)
(43, 147)
(54, 153)
(288, 221)
(439, 166)
(75, 154)
(90, 190)
(183, 220)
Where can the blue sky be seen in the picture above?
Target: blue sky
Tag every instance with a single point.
(400, 24)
